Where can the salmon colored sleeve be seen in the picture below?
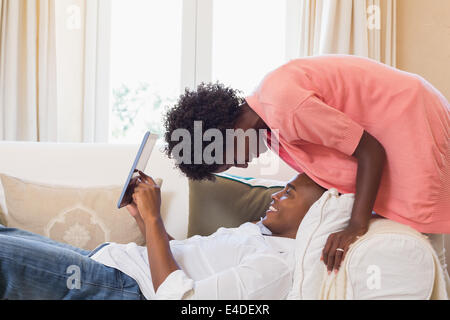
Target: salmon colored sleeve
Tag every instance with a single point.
(316, 122)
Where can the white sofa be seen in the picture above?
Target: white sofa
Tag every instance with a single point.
(88, 164)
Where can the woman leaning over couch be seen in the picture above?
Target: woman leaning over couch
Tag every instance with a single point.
(349, 123)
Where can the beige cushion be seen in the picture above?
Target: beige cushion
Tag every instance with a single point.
(82, 217)
(2, 217)
(228, 202)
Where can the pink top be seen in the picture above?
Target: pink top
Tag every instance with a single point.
(321, 106)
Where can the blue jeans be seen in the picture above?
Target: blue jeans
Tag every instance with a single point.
(36, 267)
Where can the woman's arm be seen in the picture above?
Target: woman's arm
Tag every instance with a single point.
(371, 158)
(147, 196)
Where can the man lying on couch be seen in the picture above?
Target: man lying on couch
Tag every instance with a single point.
(253, 261)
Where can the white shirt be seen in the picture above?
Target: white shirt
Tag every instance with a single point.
(232, 263)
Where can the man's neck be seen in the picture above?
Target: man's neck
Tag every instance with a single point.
(290, 235)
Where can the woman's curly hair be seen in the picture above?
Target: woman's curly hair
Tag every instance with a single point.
(215, 106)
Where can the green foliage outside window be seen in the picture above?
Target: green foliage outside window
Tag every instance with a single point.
(137, 109)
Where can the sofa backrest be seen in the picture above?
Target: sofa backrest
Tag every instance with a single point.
(91, 164)
(97, 164)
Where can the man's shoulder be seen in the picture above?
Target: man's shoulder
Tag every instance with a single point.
(285, 87)
(245, 228)
(250, 228)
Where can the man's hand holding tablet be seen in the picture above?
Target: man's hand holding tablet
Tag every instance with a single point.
(139, 164)
(147, 196)
(133, 207)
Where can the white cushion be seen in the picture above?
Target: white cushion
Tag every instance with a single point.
(331, 213)
(390, 266)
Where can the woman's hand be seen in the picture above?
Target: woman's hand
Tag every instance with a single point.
(338, 244)
(147, 196)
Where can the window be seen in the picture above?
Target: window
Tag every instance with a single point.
(145, 65)
(160, 47)
(248, 41)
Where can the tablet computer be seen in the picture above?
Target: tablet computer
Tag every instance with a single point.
(140, 163)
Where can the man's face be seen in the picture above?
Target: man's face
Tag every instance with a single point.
(238, 161)
(249, 141)
(289, 206)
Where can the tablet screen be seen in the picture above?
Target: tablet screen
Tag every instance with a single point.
(140, 163)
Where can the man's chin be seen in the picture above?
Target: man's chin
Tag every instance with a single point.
(268, 221)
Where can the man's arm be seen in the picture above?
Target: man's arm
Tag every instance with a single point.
(371, 158)
(158, 249)
(147, 196)
(258, 276)
(134, 212)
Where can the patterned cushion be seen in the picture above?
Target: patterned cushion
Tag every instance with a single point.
(82, 217)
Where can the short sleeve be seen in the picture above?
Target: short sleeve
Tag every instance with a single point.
(316, 122)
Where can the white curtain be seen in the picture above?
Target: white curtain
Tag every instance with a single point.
(358, 27)
(54, 65)
(96, 71)
(27, 70)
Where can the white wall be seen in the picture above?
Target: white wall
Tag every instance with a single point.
(423, 40)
